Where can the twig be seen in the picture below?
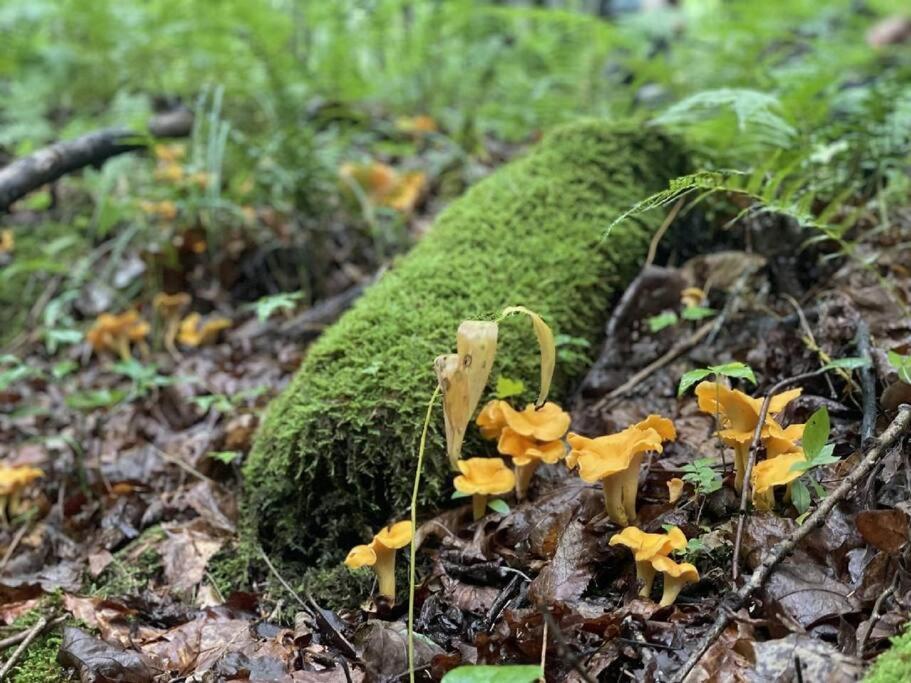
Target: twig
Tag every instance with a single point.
(867, 384)
(874, 616)
(337, 636)
(751, 460)
(656, 240)
(786, 546)
(675, 351)
(31, 634)
(499, 604)
(543, 678)
(17, 539)
(565, 651)
(284, 583)
(413, 549)
(22, 635)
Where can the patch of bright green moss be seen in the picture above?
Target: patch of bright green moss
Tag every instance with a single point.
(893, 665)
(39, 662)
(334, 458)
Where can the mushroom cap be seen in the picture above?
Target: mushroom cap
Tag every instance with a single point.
(692, 296)
(739, 412)
(782, 439)
(490, 420)
(396, 535)
(485, 476)
(647, 546)
(190, 333)
(361, 556)
(15, 478)
(607, 455)
(168, 304)
(776, 471)
(681, 570)
(108, 328)
(664, 426)
(523, 450)
(547, 423)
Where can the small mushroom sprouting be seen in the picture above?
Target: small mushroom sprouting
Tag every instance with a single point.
(170, 307)
(380, 554)
(13, 480)
(529, 437)
(191, 333)
(739, 415)
(676, 576)
(646, 547)
(116, 332)
(614, 460)
(483, 477)
(674, 489)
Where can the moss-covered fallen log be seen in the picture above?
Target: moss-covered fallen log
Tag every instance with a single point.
(334, 458)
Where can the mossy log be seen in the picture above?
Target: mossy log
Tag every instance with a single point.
(335, 457)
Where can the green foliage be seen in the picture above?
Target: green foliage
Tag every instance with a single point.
(818, 453)
(507, 388)
(902, 365)
(702, 476)
(144, 378)
(503, 673)
(266, 306)
(733, 370)
(498, 505)
(894, 665)
(661, 321)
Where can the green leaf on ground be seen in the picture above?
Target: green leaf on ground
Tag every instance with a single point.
(512, 673)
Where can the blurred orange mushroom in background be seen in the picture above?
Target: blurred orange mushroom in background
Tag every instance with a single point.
(13, 480)
(170, 307)
(192, 333)
(117, 332)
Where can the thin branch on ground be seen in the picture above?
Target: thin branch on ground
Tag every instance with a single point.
(751, 460)
(874, 616)
(22, 635)
(284, 583)
(340, 640)
(30, 636)
(672, 354)
(867, 384)
(17, 539)
(656, 240)
(785, 547)
(565, 650)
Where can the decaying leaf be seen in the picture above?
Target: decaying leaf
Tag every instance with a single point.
(476, 343)
(456, 402)
(547, 346)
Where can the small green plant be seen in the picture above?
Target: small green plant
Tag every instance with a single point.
(818, 454)
(733, 370)
(267, 306)
(504, 673)
(902, 365)
(145, 378)
(15, 371)
(702, 476)
(662, 321)
(507, 388)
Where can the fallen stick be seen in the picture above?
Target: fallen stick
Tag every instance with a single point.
(30, 636)
(786, 546)
(21, 176)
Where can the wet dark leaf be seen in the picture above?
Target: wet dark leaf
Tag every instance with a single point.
(100, 662)
(383, 647)
(886, 530)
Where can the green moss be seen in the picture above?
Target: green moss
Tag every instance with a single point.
(894, 665)
(334, 458)
(133, 567)
(229, 569)
(39, 662)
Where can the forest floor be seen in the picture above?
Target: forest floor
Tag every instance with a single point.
(114, 560)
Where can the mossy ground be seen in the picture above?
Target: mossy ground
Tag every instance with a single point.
(334, 458)
(39, 662)
(894, 665)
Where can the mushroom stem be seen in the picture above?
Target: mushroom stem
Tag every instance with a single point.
(479, 505)
(630, 484)
(764, 500)
(524, 474)
(385, 570)
(172, 326)
(613, 499)
(645, 573)
(741, 456)
(672, 587)
(122, 345)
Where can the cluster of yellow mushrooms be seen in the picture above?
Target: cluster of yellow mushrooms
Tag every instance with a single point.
(536, 435)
